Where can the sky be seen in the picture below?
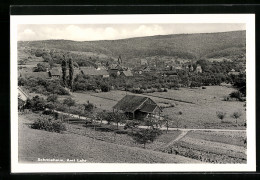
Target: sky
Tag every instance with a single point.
(92, 32)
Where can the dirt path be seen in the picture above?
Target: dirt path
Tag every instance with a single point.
(183, 133)
(162, 128)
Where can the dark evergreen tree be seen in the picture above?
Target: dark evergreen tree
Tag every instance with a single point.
(71, 72)
(64, 69)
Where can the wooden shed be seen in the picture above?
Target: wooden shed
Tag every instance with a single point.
(138, 107)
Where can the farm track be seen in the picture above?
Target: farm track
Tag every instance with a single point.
(183, 133)
(161, 128)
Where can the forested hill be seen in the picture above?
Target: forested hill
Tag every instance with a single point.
(188, 46)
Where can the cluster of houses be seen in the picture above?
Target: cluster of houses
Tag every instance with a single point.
(56, 72)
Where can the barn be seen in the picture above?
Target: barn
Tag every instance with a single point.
(138, 107)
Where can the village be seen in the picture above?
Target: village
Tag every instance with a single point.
(160, 108)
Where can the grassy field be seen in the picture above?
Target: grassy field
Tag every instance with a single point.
(34, 144)
(199, 113)
(208, 101)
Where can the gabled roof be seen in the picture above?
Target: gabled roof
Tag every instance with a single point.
(130, 103)
(149, 108)
(127, 73)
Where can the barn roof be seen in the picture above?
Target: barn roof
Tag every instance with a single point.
(130, 103)
(148, 107)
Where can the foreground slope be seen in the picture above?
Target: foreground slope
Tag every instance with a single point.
(34, 144)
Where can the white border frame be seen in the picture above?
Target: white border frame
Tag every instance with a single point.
(248, 19)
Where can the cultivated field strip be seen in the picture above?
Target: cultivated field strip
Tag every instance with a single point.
(215, 146)
(211, 147)
(231, 138)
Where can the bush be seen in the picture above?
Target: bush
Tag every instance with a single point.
(52, 98)
(237, 95)
(226, 98)
(49, 125)
(105, 88)
(36, 104)
(89, 107)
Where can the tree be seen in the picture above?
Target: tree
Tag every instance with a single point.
(145, 136)
(52, 98)
(177, 120)
(101, 115)
(64, 69)
(40, 68)
(236, 115)
(221, 115)
(132, 124)
(88, 107)
(105, 88)
(118, 118)
(236, 94)
(71, 71)
(115, 117)
(69, 102)
(36, 104)
(167, 121)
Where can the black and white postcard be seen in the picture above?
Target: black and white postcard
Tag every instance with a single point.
(133, 93)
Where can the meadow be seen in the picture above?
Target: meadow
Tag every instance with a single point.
(198, 106)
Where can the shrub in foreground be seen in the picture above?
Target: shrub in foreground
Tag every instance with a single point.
(49, 125)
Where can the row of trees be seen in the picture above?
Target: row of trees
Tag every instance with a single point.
(221, 115)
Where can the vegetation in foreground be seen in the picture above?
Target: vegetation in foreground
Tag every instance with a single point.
(34, 144)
